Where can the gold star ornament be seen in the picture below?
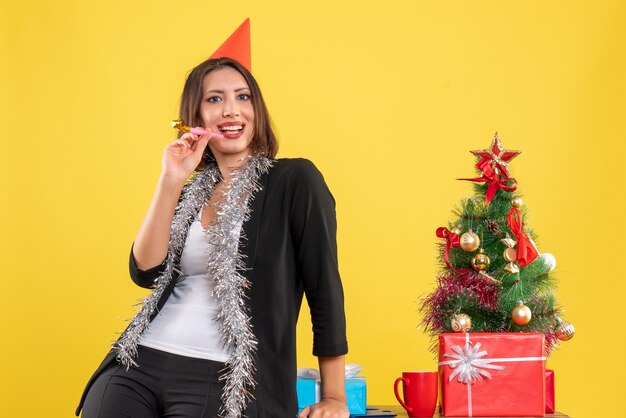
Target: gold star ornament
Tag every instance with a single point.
(495, 158)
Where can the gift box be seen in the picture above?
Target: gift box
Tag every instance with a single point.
(492, 374)
(550, 407)
(309, 392)
(356, 395)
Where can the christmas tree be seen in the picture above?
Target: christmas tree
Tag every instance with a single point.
(492, 277)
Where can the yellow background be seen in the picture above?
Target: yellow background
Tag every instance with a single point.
(386, 98)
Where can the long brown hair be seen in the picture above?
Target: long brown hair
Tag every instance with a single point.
(264, 141)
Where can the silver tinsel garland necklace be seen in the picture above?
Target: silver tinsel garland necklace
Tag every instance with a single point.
(224, 266)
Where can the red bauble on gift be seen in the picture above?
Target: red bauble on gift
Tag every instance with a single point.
(492, 374)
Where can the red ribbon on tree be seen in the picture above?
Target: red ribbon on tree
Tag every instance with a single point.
(494, 180)
(526, 251)
(453, 240)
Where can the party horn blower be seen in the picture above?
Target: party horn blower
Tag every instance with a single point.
(180, 126)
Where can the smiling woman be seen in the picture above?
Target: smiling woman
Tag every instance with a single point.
(231, 242)
(227, 107)
(212, 105)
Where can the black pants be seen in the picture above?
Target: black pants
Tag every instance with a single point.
(164, 385)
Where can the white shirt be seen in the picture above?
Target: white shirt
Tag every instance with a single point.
(187, 323)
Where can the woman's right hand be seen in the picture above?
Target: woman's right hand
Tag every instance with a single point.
(182, 156)
(180, 159)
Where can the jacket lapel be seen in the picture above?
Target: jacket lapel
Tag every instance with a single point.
(247, 245)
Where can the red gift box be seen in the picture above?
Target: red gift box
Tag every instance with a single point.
(550, 408)
(492, 374)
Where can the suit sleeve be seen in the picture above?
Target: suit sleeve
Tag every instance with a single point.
(144, 278)
(314, 229)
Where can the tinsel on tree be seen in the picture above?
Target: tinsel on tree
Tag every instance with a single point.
(492, 277)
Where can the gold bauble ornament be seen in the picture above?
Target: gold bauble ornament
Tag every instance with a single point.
(521, 314)
(461, 323)
(457, 230)
(470, 241)
(480, 261)
(517, 202)
(510, 255)
(565, 330)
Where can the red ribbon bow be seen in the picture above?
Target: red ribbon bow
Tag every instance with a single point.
(494, 180)
(453, 240)
(526, 251)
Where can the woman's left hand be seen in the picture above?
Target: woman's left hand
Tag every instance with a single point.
(326, 408)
